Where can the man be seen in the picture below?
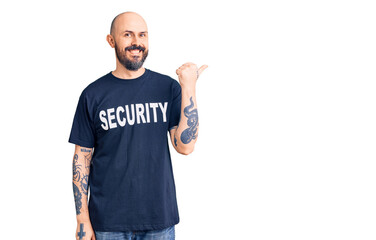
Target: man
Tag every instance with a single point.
(121, 146)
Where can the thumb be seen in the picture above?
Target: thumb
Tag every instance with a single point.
(201, 69)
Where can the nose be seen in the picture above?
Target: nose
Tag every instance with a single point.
(135, 41)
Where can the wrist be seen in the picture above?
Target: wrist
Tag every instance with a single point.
(188, 87)
(81, 219)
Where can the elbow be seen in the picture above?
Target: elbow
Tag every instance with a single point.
(186, 151)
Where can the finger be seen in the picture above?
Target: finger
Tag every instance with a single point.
(201, 69)
(93, 238)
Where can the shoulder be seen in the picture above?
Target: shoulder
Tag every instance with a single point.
(162, 77)
(98, 84)
(165, 81)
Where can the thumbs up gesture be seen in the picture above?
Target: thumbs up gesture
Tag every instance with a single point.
(188, 74)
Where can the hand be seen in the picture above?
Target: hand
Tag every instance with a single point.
(84, 231)
(188, 74)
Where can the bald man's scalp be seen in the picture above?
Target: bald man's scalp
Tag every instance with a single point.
(113, 23)
(112, 30)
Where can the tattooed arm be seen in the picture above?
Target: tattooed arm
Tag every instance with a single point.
(81, 170)
(184, 135)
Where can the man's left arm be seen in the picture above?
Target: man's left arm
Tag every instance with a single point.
(184, 135)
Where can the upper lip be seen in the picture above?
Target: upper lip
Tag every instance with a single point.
(136, 48)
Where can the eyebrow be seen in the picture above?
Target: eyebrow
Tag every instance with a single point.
(132, 31)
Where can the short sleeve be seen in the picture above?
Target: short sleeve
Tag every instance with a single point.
(175, 106)
(82, 132)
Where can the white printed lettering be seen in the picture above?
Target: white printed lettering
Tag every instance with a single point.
(154, 106)
(102, 115)
(120, 121)
(138, 112)
(147, 112)
(111, 117)
(164, 110)
(130, 121)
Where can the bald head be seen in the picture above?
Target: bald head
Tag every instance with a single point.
(127, 20)
(129, 37)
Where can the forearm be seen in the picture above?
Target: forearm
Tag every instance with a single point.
(187, 130)
(81, 171)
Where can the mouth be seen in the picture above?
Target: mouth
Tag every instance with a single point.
(135, 51)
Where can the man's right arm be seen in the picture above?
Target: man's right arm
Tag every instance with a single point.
(81, 171)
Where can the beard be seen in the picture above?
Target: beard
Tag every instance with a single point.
(135, 62)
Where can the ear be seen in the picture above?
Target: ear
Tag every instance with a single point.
(110, 40)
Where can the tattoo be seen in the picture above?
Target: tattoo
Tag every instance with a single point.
(76, 169)
(175, 140)
(85, 150)
(81, 233)
(88, 161)
(77, 199)
(191, 132)
(85, 177)
(85, 184)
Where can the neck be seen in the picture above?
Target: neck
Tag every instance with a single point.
(122, 72)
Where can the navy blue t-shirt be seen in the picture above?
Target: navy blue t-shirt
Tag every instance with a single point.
(127, 122)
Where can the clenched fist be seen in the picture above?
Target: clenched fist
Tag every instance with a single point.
(85, 231)
(188, 74)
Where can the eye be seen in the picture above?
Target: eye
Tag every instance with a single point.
(127, 35)
(142, 35)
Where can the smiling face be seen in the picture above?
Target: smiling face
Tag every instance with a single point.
(129, 37)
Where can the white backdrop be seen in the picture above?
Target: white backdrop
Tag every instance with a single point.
(286, 147)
